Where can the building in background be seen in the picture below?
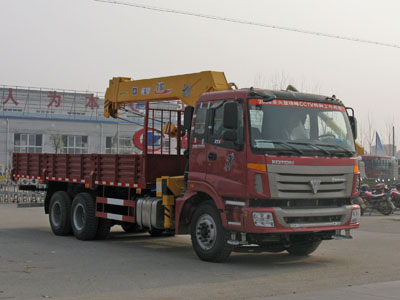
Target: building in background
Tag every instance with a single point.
(380, 167)
(35, 120)
(387, 150)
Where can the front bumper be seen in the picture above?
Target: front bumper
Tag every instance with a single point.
(293, 220)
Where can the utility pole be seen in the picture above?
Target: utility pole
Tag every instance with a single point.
(394, 154)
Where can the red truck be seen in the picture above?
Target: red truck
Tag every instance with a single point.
(262, 170)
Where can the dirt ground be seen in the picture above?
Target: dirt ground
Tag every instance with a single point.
(35, 264)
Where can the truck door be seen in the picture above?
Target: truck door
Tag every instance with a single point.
(198, 161)
(226, 170)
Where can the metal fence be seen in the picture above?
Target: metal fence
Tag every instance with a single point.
(10, 193)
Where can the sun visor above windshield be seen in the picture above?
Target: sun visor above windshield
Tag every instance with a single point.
(295, 103)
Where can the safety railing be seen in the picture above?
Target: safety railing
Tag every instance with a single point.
(10, 193)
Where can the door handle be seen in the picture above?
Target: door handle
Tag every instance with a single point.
(212, 156)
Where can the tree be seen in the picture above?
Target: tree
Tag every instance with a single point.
(280, 81)
(389, 136)
(57, 143)
(361, 133)
(369, 132)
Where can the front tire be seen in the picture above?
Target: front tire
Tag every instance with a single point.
(83, 218)
(60, 213)
(209, 237)
(385, 207)
(303, 249)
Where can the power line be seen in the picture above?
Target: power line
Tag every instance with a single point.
(291, 29)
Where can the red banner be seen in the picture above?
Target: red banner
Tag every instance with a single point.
(295, 103)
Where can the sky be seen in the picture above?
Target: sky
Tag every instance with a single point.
(81, 44)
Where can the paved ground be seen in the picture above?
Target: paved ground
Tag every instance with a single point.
(35, 264)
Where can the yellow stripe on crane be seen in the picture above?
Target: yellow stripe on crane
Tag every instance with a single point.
(186, 87)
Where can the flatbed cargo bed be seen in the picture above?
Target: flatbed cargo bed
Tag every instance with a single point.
(126, 170)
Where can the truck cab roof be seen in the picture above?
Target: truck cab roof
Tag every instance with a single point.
(269, 94)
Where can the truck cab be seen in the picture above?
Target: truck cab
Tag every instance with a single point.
(277, 168)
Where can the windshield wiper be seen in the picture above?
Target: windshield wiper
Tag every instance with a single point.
(323, 150)
(289, 146)
(350, 153)
(313, 146)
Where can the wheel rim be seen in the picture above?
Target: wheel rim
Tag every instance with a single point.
(79, 216)
(56, 214)
(385, 207)
(206, 232)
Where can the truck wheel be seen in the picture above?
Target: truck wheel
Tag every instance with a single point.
(209, 238)
(83, 220)
(303, 249)
(103, 229)
(131, 227)
(60, 213)
(155, 232)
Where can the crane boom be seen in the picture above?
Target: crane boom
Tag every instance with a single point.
(186, 87)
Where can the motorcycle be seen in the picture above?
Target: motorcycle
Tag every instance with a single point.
(377, 200)
(360, 201)
(395, 195)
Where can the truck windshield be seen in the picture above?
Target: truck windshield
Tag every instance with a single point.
(290, 126)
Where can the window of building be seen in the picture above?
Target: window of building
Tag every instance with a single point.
(75, 144)
(28, 143)
(125, 145)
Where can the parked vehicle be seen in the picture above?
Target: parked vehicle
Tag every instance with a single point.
(360, 201)
(380, 167)
(245, 182)
(395, 195)
(3, 174)
(377, 200)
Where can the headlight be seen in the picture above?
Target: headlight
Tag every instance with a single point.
(358, 182)
(355, 216)
(263, 219)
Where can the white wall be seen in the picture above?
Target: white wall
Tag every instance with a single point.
(96, 132)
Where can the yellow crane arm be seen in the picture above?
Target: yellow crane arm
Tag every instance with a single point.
(359, 148)
(187, 88)
(332, 124)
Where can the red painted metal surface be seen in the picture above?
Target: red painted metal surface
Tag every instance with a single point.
(116, 168)
(124, 170)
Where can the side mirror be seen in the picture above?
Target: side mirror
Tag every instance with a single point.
(187, 117)
(229, 135)
(353, 124)
(230, 115)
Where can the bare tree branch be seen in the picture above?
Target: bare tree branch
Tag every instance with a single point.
(369, 133)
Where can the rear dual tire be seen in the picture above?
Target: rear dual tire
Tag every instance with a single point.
(85, 225)
(131, 227)
(84, 222)
(77, 216)
(60, 213)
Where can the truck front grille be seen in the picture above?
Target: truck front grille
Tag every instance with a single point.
(310, 182)
(299, 203)
(305, 217)
(312, 219)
